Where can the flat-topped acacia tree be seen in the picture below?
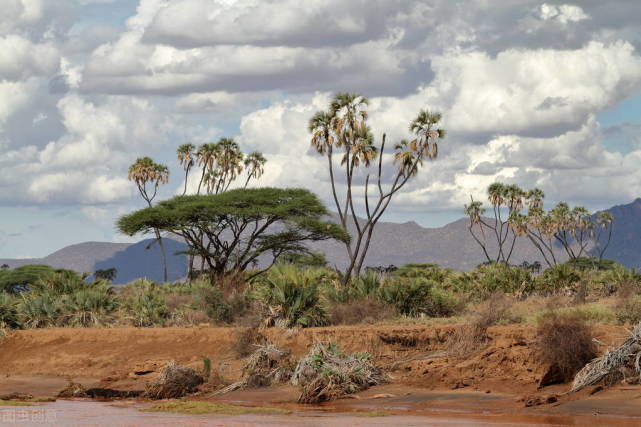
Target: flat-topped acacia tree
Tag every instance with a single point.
(232, 229)
(343, 128)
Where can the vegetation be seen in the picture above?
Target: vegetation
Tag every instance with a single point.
(576, 230)
(343, 127)
(195, 407)
(147, 172)
(20, 278)
(231, 230)
(565, 343)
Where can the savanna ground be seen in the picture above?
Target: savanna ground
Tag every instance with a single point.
(497, 340)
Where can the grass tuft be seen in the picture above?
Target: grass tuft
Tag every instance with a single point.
(195, 407)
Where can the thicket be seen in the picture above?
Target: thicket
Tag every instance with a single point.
(295, 295)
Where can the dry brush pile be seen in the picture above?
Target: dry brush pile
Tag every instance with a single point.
(621, 363)
(326, 373)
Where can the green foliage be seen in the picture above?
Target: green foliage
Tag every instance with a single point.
(357, 288)
(426, 271)
(256, 221)
(206, 367)
(586, 263)
(312, 259)
(8, 311)
(64, 299)
(144, 304)
(485, 280)
(108, 274)
(292, 295)
(630, 311)
(20, 278)
(559, 277)
(419, 297)
(211, 300)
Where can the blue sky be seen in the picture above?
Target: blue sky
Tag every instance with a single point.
(537, 93)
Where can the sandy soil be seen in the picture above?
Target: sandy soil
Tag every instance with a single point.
(497, 382)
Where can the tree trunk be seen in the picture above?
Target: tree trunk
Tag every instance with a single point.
(162, 255)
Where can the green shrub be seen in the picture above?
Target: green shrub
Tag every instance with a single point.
(485, 280)
(419, 297)
(292, 296)
(211, 300)
(65, 299)
(20, 278)
(8, 311)
(144, 303)
(630, 311)
(614, 280)
(586, 263)
(425, 271)
(557, 278)
(358, 288)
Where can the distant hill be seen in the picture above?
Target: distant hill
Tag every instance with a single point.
(131, 260)
(393, 243)
(625, 246)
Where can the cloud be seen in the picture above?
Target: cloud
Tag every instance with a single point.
(564, 13)
(21, 59)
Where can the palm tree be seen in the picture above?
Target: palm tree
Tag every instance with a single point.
(143, 172)
(186, 158)
(254, 165)
(426, 141)
(207, 155)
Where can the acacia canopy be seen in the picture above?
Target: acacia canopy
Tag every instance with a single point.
(231, 230)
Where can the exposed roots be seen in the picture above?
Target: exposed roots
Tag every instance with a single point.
(173, 382)
(326, 373)
(613, 365)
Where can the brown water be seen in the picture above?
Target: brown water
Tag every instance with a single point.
(91, 413)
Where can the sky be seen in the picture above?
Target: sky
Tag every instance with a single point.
(539, 94)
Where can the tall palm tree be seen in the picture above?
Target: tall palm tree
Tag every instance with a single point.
(186, 158)
(426, 141)
(254, 165)
(207, 155)
(143, 172)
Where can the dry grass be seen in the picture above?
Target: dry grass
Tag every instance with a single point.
(565, 343)
(247, 341)
(362, 311)
(173, 382)
(472, 337)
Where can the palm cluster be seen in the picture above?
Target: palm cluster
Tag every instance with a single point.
(221, 164)
(343, 126)
(574, 229)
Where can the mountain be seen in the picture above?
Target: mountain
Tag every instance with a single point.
(392, 243)
(131, 260)
(625, 246)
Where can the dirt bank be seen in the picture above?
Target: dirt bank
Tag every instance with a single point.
(413, 356)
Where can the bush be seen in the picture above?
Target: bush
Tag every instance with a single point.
(291, 296)
(485, 280)
(419, 297)
(425, 271)
(367, 285)
(557, 278)
(565, 343)
(8, 311)
(65, 299)
(630, 311)
(20, 278)
(144, 304)
(617, 279)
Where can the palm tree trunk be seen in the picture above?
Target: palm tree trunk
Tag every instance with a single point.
(162, 255)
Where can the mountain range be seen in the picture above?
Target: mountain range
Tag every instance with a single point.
(450, 246)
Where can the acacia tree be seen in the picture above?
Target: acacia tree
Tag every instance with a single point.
(221, 164)
(343, 127)
(231, 230)
(145, 172)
